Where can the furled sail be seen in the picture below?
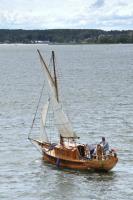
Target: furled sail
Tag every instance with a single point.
(61, 120)
(43, 134)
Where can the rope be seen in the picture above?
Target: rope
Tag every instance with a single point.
(36, 111)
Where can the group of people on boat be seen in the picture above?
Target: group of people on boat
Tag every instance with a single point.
(99, 149)
(90, 151)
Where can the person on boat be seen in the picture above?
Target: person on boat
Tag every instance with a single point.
(104, 144)
(99, 152)
(91, 150)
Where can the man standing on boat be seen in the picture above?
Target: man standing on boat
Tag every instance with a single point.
(104, 144)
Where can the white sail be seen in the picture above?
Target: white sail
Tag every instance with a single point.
(61, 120)
(43, 134)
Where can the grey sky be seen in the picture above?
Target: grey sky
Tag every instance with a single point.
(50, 14)
(98, 3)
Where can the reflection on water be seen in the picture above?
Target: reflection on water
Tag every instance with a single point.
(97, 91)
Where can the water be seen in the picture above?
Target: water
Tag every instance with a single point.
(97, 91)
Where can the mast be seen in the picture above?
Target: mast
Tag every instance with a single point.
(55, 76)
(56, 87)
(47, 70)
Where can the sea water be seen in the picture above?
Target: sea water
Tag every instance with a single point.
(96, 88)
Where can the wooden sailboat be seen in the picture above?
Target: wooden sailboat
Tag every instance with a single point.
(68, 152)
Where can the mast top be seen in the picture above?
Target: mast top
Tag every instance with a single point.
(55, 76)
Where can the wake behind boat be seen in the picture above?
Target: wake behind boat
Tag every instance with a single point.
(68, 152)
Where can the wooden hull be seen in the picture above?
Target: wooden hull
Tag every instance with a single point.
(69, 158)
(94, 164)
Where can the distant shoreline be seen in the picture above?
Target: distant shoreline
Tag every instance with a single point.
(65, 36)
(67, 44)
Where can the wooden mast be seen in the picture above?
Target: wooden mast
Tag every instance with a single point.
(56, 88)
(55, 77)
(57, 92)
(41, 58)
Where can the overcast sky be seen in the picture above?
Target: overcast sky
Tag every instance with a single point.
(51, 14)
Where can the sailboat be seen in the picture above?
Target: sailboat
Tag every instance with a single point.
(67, 152)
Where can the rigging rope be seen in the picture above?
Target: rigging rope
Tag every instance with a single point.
(31, 139)
(36, 111)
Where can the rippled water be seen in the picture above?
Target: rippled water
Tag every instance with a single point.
(97, 88)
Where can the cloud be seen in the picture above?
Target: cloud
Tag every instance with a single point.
(98, 4)
(49, 14)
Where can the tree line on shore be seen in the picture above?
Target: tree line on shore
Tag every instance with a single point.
(66, 36)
